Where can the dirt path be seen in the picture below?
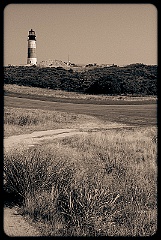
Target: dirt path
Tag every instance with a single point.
(14, 223)
(28, 140)
(38, 137)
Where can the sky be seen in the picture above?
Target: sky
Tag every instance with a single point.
(118, 34)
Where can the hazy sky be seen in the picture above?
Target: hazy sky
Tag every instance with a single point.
(90, 33)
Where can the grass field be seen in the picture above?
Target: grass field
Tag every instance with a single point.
(103, 183)
(57, 95)
(100, 184)
(17, 121)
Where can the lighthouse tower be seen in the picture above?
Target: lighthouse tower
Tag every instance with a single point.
(31, 58)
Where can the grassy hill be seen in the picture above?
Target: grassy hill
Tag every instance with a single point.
(135, 79)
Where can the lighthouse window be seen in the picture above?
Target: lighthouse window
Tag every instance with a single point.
(31, 37)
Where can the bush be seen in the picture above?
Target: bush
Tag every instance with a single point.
(131, 79)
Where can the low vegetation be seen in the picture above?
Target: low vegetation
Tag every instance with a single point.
(135, 79)
(21, 121)
(66, 96)
(103, 183)
(99, 184)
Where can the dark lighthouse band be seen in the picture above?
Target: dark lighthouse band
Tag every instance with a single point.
(31, 58)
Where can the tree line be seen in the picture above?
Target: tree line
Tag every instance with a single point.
(114, 80)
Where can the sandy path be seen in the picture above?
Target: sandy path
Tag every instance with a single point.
(15, 224)
(28, 140)
(38, 137)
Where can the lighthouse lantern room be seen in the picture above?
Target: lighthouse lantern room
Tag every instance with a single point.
(31, 58)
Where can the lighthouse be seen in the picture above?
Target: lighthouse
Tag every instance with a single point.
(31, 58)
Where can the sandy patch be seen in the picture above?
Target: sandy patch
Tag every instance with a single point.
(39, 137)
(15, 224)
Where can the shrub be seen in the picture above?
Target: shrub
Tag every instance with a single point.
(131, 79)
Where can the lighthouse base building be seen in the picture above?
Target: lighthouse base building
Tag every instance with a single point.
(31, 57)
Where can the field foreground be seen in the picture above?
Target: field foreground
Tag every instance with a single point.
(82, 177)
(100, 183)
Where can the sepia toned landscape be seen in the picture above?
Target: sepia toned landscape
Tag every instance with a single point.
(80, 120)
(73, 174)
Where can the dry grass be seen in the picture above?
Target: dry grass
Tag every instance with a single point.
(63, 94)
(99, 184)
(21, 121)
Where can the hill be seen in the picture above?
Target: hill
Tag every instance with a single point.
(135, 79)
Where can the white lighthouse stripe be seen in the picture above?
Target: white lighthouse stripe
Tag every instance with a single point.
(31, 44)
(32, 61)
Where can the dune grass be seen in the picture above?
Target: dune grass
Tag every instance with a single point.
(72, 95)
(21, 121)
(99, 184)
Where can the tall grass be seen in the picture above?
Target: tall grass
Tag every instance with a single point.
(20, 120)
(100, 184)
(74, 95)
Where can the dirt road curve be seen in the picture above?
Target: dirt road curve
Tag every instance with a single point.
(28, 140)
(15, 224)
(38, 137)
(138, 115)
